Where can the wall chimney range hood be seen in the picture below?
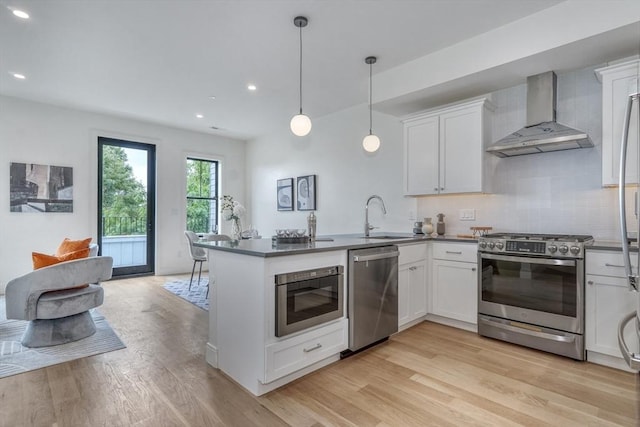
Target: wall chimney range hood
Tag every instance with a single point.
(542, 133)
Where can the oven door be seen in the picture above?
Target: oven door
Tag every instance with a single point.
(539, 291)
(306, 303)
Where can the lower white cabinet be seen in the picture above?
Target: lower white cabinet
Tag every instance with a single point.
(454, 281)
(607, 300)
(290, 355)
(412, 283)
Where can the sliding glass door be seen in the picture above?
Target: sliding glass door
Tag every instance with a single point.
(126, 202)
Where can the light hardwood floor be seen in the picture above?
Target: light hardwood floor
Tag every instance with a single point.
(427, 375)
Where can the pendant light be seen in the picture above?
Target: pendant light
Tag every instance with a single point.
(371, 142)
(300, 124)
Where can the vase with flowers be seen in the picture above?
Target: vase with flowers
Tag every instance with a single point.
(233, 211)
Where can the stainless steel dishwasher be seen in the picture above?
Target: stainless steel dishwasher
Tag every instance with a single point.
(372, 295)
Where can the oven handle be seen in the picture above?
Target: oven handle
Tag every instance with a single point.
(569, 262)
(520, 330)
(363, 258)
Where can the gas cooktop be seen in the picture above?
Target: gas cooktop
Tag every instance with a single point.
(548, 245)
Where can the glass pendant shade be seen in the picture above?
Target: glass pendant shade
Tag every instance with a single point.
(300, 125)
(371, 143)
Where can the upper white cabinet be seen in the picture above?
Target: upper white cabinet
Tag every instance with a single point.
(618, 81)
(444, 149)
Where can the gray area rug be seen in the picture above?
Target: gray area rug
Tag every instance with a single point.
(16, 359)
(197, 295)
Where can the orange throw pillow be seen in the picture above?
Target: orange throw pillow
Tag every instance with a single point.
(44, 260)
(69, 245)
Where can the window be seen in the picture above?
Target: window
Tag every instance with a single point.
(202, 195)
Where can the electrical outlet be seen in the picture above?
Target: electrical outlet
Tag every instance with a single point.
(412, 215)
(467, 214)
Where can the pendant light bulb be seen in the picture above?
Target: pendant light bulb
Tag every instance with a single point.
(300, 124)
(371, 142)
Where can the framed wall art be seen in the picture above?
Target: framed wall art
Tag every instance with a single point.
(40, 188)
(306, 186)
(285, 194)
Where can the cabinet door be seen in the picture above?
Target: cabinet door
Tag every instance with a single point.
(421, 156)
(412, 292)
(617, 83)
(461, 151)
(404, 296)
(418, 290)
(455, 290)
(607, 300)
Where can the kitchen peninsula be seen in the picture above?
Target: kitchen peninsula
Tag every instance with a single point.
(243, 341)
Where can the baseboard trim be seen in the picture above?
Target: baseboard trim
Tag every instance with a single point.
(211, 355)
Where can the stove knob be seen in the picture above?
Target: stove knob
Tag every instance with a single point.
(499, 245)
(552, 248)
(482, 244)
(575, 250)
(491, 245)
(564, 249)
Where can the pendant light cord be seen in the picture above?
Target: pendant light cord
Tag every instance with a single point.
(300, 69)
(370, 98)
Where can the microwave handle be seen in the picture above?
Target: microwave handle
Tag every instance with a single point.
(565, 262)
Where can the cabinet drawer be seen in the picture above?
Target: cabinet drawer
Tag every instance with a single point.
(456, 251)
(412, 253)
(607, 263)
(290, 355)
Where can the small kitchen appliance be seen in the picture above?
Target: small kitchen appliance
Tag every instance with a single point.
(531, 290)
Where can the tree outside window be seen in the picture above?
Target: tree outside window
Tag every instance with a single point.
(202, 195)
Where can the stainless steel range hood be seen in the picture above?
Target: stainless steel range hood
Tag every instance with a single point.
(542, 133)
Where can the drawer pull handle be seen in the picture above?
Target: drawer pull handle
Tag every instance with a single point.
(315, 347)
(473, 269)
(455, 252)
(414, 268)
(613, 265)
(590, 282)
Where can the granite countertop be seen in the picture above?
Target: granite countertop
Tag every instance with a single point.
(610, 245)
(267, 248)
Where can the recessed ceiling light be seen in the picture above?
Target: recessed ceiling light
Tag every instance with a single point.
(212, 97)
(199, 116)
(19, 76)
(20, 14)
(251, 86)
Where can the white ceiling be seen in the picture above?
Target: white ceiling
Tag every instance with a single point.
(161, 60)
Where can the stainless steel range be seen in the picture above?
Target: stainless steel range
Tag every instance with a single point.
(531, 290)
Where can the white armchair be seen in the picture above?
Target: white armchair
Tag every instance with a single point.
(55, 301)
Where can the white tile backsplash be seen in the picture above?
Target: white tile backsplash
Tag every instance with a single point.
(557, 192)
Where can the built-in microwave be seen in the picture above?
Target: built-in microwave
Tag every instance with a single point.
(308, 298)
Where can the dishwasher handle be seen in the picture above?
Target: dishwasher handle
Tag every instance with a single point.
(373, 257)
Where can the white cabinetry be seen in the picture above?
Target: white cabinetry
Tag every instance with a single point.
(454, 281)
(607, 300)
(412, 283)
(444, 150)
(618, 81)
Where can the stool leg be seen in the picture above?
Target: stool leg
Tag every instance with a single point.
(200, 272)
(193, 270)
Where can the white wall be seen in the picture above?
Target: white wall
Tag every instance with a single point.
(557, 192)
(43, 134)
(346, 174)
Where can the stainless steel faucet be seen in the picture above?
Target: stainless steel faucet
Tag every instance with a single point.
(368, 227)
